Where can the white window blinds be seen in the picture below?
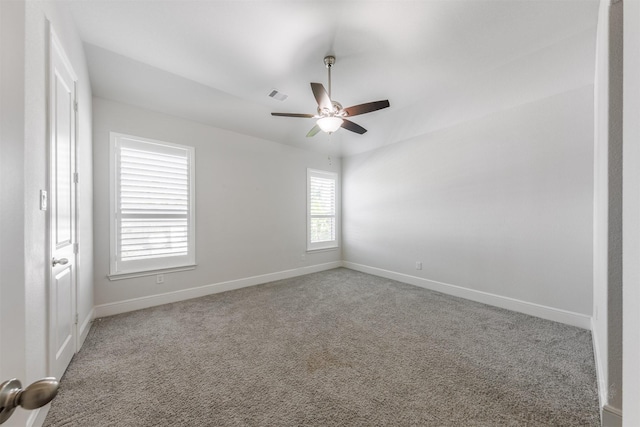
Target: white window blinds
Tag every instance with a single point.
(321, 209)
(153, 224)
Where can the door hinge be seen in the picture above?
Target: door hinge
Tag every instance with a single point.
(75, 106)
(76, 318)
(75, 177)
(76, 248)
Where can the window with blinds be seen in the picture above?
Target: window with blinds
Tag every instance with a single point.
(321, 209)
(152, 205)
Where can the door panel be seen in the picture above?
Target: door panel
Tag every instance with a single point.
(62, 212)
(63, 313)
(63, 168)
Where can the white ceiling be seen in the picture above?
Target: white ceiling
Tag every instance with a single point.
(438, 62)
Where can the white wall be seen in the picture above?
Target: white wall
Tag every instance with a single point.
(631, 219)
(27, 155)
(500, 205)
(12, 298)
(607, 225)
(614, 286)
(250, 204)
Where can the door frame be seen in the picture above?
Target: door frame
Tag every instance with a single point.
(53, 42)
(12, 262)
(13, 303)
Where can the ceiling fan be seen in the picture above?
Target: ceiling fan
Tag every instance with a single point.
(331, 115)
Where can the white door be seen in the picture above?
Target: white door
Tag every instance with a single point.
(62, 208)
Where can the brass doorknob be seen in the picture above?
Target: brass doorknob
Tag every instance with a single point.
(34, 396)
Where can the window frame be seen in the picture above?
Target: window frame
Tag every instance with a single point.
(125, 269)
(331, 244)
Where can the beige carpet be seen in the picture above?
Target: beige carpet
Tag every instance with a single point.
(337, 348)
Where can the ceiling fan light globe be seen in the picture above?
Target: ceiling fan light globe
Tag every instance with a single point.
(329, 124)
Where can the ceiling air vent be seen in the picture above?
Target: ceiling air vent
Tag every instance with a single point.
(277, 95)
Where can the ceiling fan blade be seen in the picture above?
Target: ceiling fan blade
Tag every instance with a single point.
(306, 116)
(366, 108)
(349, 125)
(322, 97)
(314, 130)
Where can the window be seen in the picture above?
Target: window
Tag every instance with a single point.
(321, 210)
(152, 205)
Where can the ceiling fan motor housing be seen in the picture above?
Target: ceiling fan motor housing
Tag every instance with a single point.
(329, 61)
(337, 110)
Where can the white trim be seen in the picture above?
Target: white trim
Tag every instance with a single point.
(117, 266)
(331, 244)
(313, 251)
(84, 329)
(113, 308)
(611, 417)
(600, 371)
(122, 276)
(631, 216)
(55, 41)
(37, 416)
(113, 152)
(563, 316)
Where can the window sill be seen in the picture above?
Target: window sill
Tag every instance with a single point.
(331, 248)
(131, 275)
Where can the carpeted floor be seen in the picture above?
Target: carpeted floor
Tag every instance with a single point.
(336, 348)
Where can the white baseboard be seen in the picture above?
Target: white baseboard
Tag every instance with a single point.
(611, 417)
(37, 416)
(600, 372)
(113, 308)
(537, 310)
(83, 331)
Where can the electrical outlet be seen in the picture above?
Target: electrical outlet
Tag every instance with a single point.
(160, 278)
(418, 265)
(303, 257)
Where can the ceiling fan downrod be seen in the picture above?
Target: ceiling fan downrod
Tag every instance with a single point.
(328, 62)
